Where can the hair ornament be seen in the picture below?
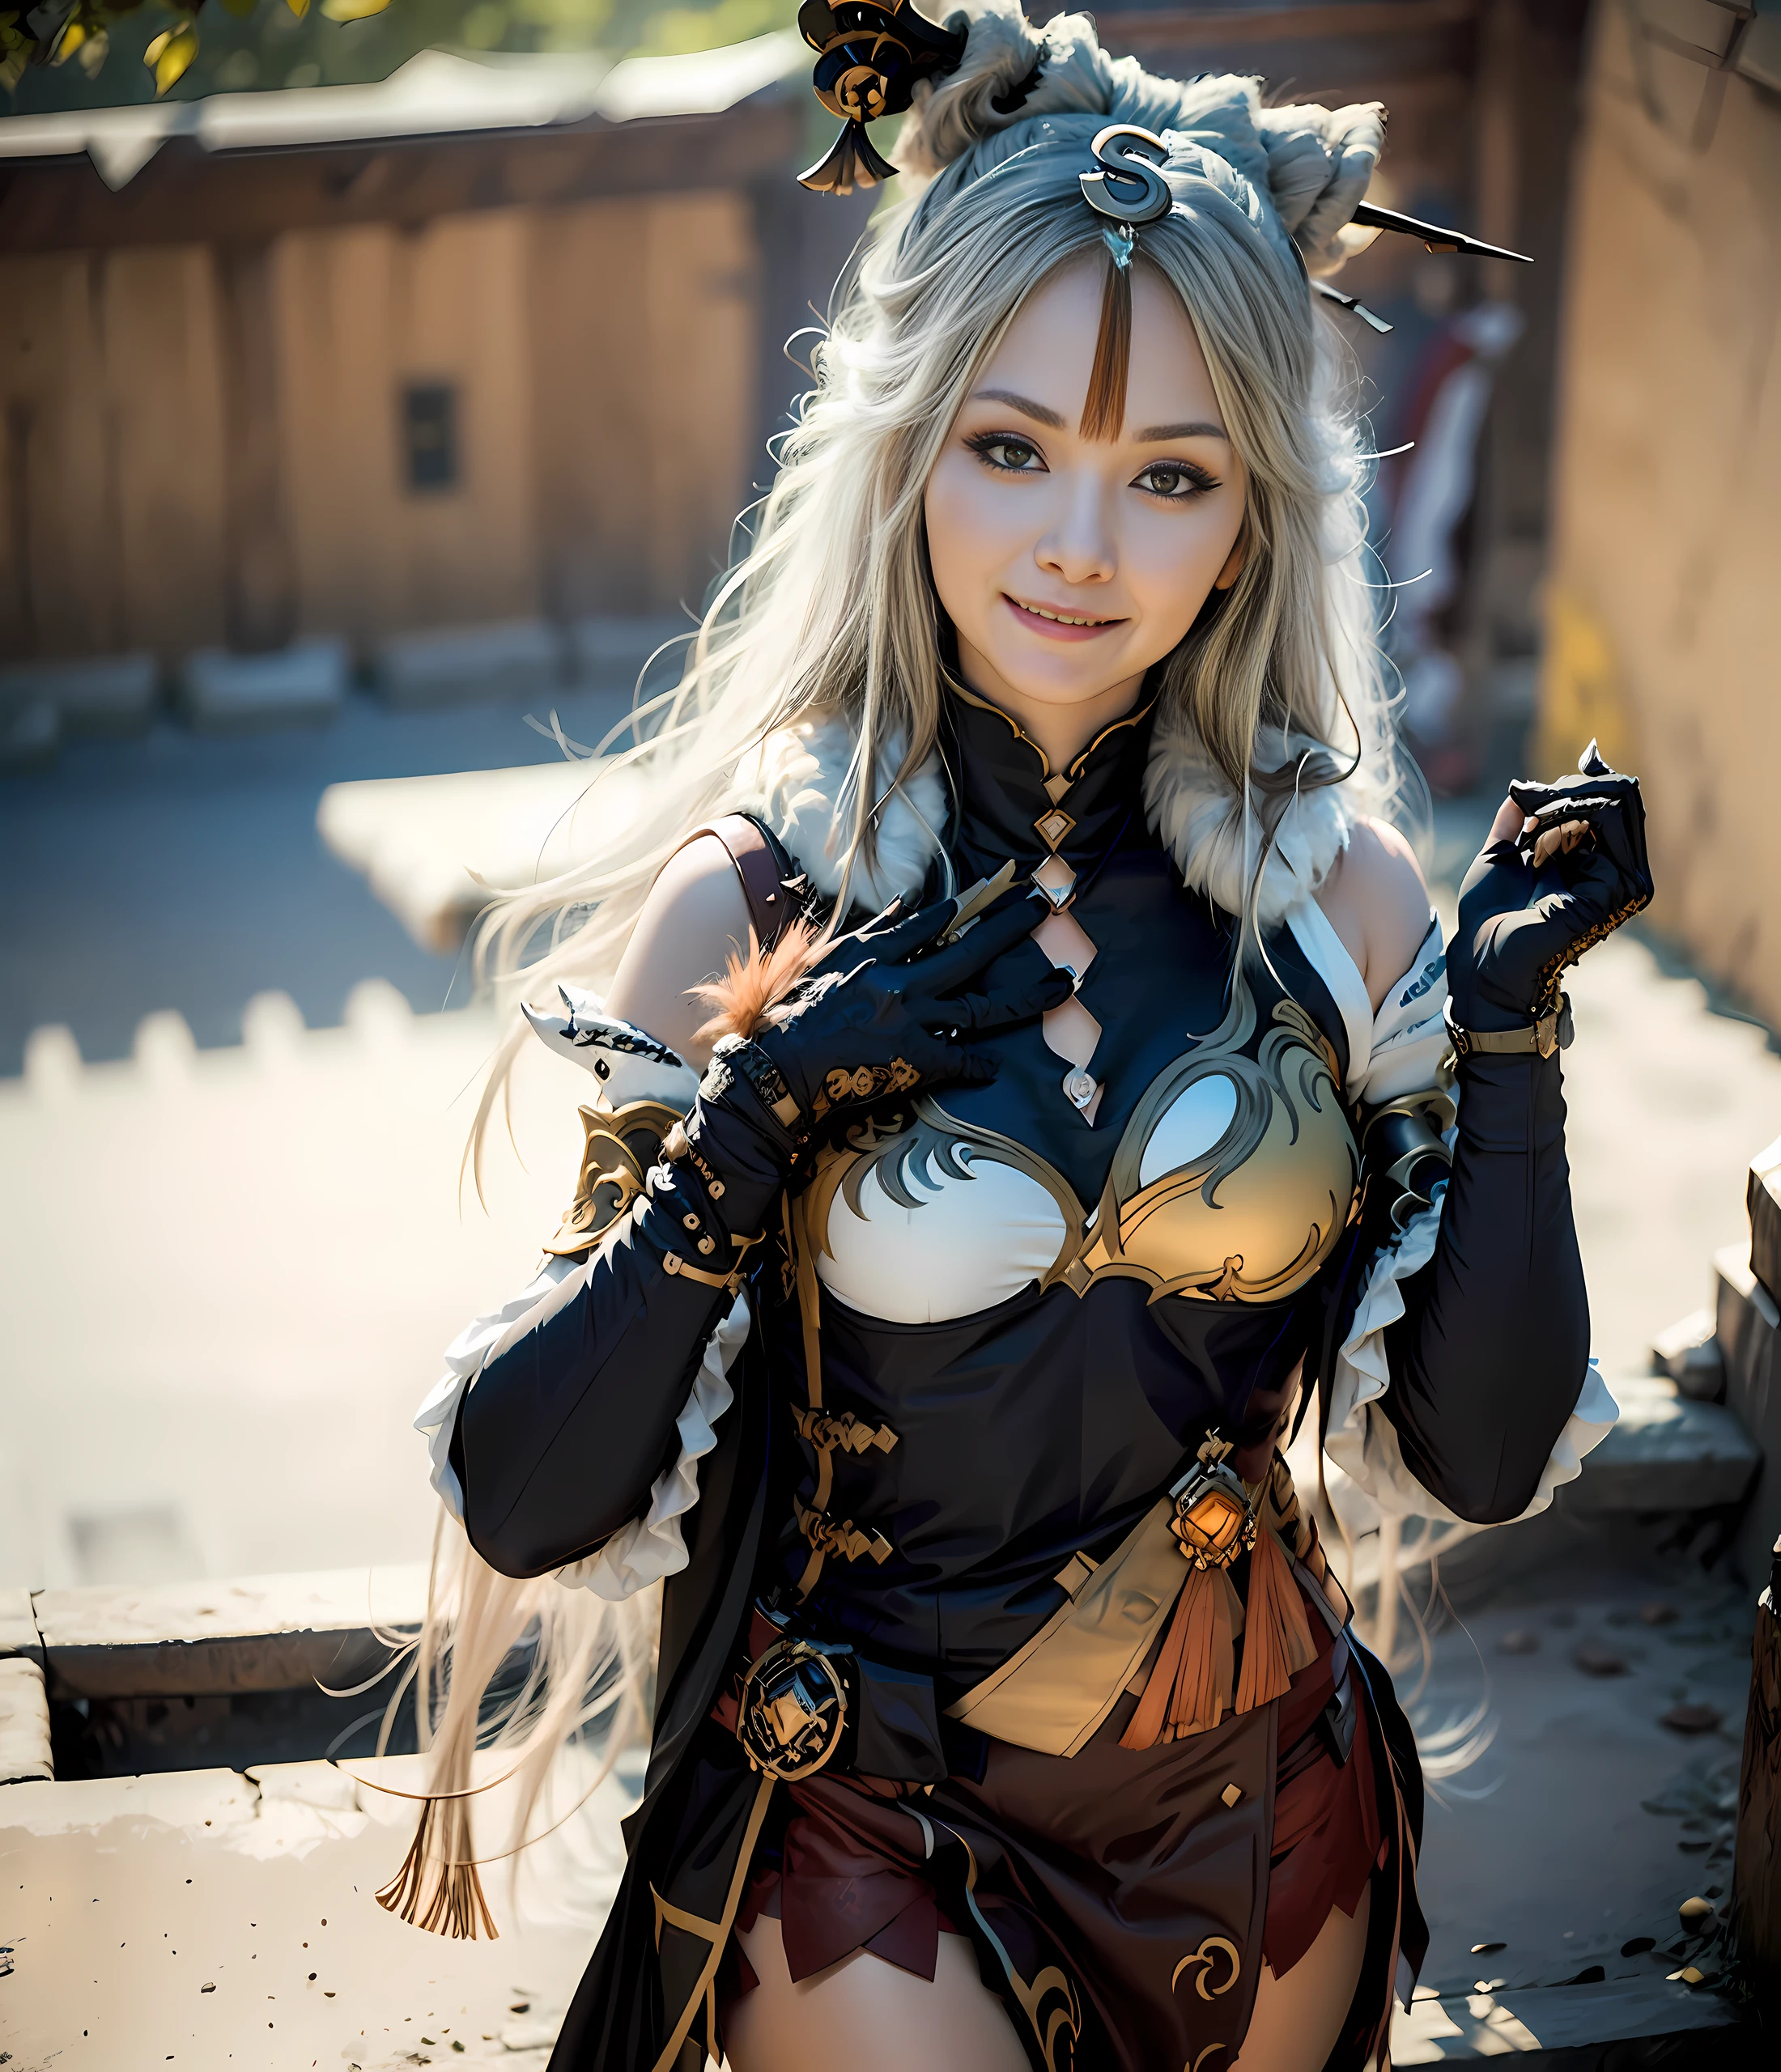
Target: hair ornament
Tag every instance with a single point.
(871, 55)
(1125, 183)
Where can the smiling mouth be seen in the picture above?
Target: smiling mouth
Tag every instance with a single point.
(1060, 618)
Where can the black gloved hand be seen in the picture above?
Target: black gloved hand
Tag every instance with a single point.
(1538, 896)
(884, 1011)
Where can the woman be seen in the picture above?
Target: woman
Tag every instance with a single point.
(1021, 1094)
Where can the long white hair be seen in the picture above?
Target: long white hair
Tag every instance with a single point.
(829, 610)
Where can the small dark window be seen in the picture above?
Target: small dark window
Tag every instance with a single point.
(430, 434)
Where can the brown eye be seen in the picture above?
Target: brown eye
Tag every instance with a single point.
(1010, 455)
(1173, 482)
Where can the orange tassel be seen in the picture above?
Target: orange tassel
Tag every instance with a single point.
(1190, 1684)
(1277, 1641)
(437, 1887)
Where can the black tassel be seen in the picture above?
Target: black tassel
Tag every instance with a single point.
(850, 163)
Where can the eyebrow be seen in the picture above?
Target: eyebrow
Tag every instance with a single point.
(1153, 436)
(1038, 412)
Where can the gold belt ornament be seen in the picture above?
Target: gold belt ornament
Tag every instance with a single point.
(794, 1708)
(1214, 1509)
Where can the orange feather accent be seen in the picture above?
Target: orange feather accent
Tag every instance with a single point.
(752, 987)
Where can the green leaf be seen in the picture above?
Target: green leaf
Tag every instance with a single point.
(352, 11)
(300, 8)
(241, 9)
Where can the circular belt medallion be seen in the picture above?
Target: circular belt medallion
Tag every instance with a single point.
(794, 1709)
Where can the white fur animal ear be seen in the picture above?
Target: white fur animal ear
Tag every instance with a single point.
(1320, 161)
(629, 1063)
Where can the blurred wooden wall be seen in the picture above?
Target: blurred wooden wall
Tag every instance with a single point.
(204, 445)
(1662, 632)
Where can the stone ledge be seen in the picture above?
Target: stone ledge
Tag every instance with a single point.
(505, 658)
(305, 682)
(1749, 1336)
(1536, 2023)
(24, 1723)
(1668, 1453)
(194, 1639)
(92, 695)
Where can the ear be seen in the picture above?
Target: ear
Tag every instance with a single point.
(1234, 561)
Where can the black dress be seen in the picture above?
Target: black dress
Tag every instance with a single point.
(999, 1323)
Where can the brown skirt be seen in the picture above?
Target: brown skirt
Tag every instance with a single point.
(1121, 1901)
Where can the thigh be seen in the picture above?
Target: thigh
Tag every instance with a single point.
(869, 2016)
(1298, 2018)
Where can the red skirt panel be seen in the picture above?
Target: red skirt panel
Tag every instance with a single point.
(1126, 1897)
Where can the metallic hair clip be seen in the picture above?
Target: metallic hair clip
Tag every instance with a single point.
(871, 55)
(1125, 183)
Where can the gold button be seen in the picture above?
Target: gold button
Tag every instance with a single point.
(716, 1190)
(689, 1222)
(707, 1244)
(1232, 1794)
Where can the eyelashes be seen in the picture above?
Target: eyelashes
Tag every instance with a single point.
(987, 445)
(1195, 482)
(1167, 481)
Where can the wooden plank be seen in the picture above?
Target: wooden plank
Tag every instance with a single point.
(164, 391)
(1366, 49)
(701, 290)
(459, 315)
(261, 572)
(256, 1633)
(185, 193)
(590, 371)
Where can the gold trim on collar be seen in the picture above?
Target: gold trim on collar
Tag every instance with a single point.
(1073, 770)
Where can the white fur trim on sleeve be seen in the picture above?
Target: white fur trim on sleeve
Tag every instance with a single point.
(464, 1358)
(654, 1546)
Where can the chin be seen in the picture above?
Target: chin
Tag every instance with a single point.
(1060, 685)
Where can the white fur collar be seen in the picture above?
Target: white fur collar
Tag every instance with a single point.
(796, 777)
(1216, 843)
(793, 784)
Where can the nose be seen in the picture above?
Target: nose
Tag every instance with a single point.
(1079, 546)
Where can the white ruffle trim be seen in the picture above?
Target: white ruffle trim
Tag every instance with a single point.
(650, 1547)
(654, 1546)
(1362, 1442)
(464, 1357)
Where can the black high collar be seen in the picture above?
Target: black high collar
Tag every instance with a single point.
(999, 792)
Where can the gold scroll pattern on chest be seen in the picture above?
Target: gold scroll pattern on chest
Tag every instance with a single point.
(1231, 1182)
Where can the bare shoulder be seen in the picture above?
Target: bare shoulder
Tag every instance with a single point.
(1377, 900)
(695, 919)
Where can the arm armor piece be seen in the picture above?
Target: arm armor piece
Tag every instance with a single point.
(620, 1146)
(1489, 1359)
(1404, 1153)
